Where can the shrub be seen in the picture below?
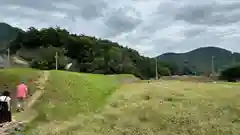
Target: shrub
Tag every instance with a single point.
(231, 74)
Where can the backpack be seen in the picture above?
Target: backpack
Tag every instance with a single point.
(3, 105)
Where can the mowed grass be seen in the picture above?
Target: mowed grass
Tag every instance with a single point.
(88, 104)
(10, 78)
(166, 108)
(68, 94)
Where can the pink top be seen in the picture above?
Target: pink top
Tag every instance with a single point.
(22, 90)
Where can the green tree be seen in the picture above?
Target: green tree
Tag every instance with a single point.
(89, 54)
(231, 74)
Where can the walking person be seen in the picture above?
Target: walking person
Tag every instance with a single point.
(5, 108)
(22, 92)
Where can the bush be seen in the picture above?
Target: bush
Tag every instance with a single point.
(231, 74)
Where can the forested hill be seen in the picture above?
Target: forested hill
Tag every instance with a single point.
(7, 33)
(200, 59)
(94, 55)
(88, 54)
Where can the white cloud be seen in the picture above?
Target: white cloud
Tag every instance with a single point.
(152, 27)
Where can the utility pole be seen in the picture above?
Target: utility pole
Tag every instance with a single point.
(56, 61)
(156, 69)
(213, 68)
(8, 57)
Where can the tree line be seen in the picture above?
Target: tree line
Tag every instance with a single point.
(89, 54)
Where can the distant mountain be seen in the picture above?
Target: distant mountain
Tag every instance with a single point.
(201, 59)
(7, 33)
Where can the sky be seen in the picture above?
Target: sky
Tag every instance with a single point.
(152, 27)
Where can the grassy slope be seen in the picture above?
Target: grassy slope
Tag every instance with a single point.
(85, 104)
(9, 78)
(166, 108)
(68, 94)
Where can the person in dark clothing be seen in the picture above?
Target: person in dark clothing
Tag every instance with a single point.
(5, 107)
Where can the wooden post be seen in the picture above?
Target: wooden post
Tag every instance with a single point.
(56, 61)
(8, 57)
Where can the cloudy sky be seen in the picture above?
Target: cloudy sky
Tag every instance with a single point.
(150, 26)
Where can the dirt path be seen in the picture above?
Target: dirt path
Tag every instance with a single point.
(20, 118)
(40, 89)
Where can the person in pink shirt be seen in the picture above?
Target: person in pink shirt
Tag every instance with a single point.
(21, 95)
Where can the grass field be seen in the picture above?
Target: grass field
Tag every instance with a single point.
(166, 108)
(10, 78)
(141, 108)
(87, 104)
(68, 94)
